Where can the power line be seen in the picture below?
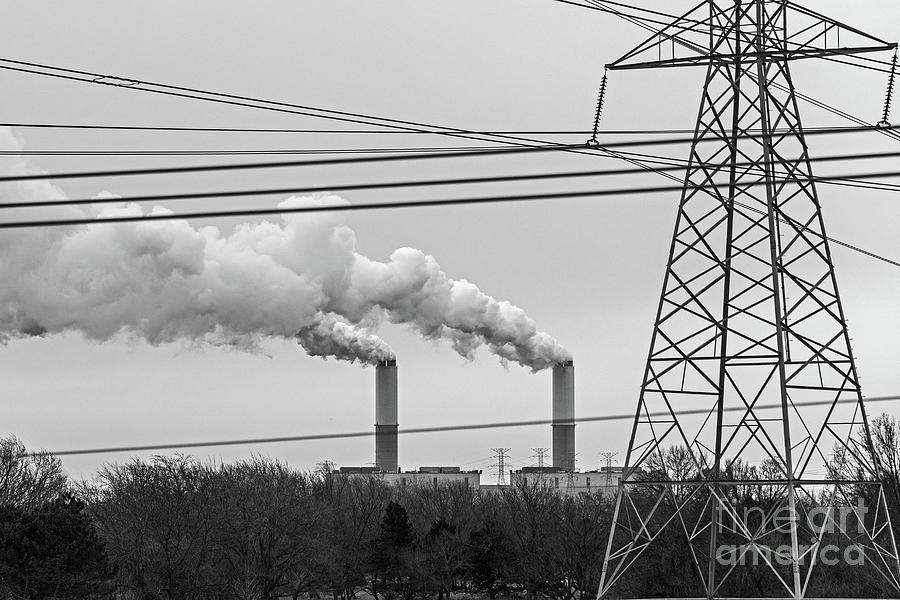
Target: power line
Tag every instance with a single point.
(621, 5)
(416, 430)
(386, 122)
(284, 107)
(161, 128)
(314, 189)
(231, 99)
(544, 147)
(676, 164)
(174, 128)
(282, 164)
(249, 102)
(601, 6)
(575, 149)
(197, 94)
(415, 204)
(672, 164)
(891, 132)
(424, 204)
(410, 149)
(88, 77)
(285, 151)
(443, 202)
(215, 97)
(855, 64)
(310, 209)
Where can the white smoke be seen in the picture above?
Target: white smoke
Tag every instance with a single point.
(331, 337)
(302, 278)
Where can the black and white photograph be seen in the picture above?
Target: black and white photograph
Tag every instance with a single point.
(470, 300)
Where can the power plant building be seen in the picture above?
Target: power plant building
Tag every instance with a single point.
(560, 476)
(425, 476)
(569, 483)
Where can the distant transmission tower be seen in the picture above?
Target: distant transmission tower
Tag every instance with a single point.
(749, 318)
(540, 454)
(501, 455)
(609, 456)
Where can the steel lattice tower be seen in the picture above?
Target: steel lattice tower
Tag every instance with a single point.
(750, 359)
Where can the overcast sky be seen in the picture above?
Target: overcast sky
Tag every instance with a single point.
(587, 270)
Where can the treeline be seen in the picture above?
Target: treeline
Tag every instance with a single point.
(175, 528)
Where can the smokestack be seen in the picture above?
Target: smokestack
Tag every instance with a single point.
(564, 415)
(386, 416)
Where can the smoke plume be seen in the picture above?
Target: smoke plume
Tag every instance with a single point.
(330, 337)
(301, 278)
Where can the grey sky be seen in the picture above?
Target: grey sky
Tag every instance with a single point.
(589, 271)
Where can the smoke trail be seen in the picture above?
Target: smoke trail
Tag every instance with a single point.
(329, 337)
(302, 278)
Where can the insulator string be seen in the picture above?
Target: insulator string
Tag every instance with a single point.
(885, 120)
(601, 96)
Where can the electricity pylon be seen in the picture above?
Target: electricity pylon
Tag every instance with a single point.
(609, 456)
(750, 360)
(540, 454)
(501, 455)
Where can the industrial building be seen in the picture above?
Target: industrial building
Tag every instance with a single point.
(569, 483)
(433, 476)
(560, 476)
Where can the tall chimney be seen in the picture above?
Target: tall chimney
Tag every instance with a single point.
(564, 415)
(386, 416)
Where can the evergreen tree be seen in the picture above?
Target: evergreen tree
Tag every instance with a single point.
(487, 548)
(51, 551)
(390, 553)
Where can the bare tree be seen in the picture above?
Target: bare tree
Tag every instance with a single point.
(265, 519)
(156, 520)
(529, 517)
(445, 516)
(884, 452)
(675, 463)
(580, 544)
(886, 443)
(28, 481)
(352, 508)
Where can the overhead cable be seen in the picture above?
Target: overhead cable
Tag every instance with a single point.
(428, 204)
(283, 164)
(432, 429)
(247, 152)
(671, 165)
(602, 132)
(426, 156)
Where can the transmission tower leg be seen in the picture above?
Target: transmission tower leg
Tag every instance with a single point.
(609, 544)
